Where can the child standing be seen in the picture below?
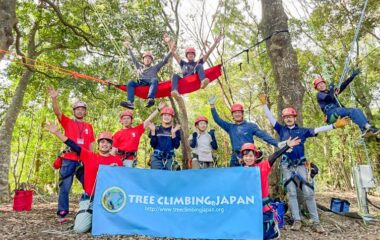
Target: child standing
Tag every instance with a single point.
(164, 139)
(202, 144)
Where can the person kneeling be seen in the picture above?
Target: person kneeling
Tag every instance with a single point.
(91, 162)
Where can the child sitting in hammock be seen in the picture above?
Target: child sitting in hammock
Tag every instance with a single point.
(147, 76)
(332, 108)
(190, 66)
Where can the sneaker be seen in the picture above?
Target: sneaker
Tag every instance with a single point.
(296, 225)
(127, 104)
(62, 216)
(317, 227)
(204, 83)
(150, 102)
(175, 93)
(371, 131)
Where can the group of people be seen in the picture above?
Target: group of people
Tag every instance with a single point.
(120, 148)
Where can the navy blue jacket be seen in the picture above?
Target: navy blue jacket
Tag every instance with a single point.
(163, 140)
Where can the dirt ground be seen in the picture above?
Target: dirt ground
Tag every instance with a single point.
(40, 223)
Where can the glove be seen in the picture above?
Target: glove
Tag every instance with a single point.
(342, 122)
(356, 72)
(281, 144)
(195, 135)
(263, 98)
(212, 100)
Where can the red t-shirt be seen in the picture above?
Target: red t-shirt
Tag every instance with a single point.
(79, 132)
(265, 168)
(91, 162)
(128, 139)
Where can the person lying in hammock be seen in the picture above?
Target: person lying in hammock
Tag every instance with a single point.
(190, 66)
(147, 76)
(332, 108)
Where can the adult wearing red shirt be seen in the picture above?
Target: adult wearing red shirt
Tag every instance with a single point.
(82, 134)
(91, 162)
(126, 140)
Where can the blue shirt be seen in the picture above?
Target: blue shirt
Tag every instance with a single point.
(242, 133)
(163, 140)
(285, 132)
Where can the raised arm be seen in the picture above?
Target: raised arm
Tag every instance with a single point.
(217, 40)
(147, 121)
(176, 136)
(127, 45)
(344, 85)
(171, 44)
(164, 61)
(54, 95)
(268, 113)
(223, 124)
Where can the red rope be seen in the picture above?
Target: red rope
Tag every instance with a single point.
(54, 68)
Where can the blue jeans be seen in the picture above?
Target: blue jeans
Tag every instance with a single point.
(356, 115)
(131, 85)
(158, 162)
(198, 69)
(67, 172)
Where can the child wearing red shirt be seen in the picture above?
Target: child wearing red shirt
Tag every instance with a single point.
(253, 157)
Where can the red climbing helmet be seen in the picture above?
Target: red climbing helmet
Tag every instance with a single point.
(289, 112)
(189, 50)
(318, 81)
(105, 135)
(126, 113)
(79, 104)
(148, 54)
(167, 110)
(237, 107)
(200, 118)
(249, 146)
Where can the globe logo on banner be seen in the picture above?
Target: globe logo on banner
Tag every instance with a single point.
(114, 199)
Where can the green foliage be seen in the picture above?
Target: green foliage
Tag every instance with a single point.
(322, 42)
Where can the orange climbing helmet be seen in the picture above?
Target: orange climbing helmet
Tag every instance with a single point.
(189, 50)
(199, 119)
(318, 81)
(289, 112)
(79, 104)
(249, 147)
(237, 107)
(126, 113)
(148, 54)
(105, 135)
(167, 110)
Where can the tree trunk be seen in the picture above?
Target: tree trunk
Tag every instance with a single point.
(7, 20)
(6, 131)
(283, 58)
